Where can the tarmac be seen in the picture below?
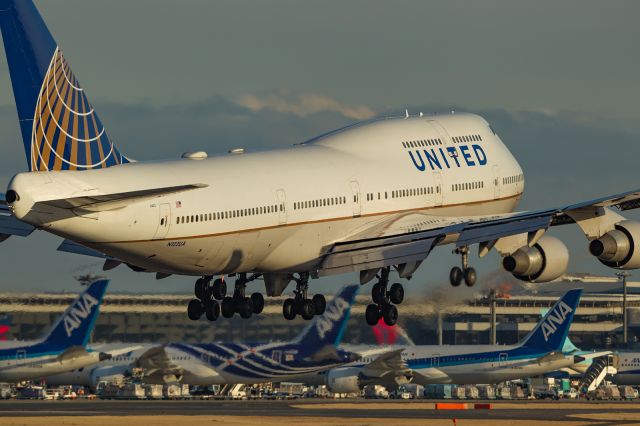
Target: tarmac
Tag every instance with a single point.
(339, 412)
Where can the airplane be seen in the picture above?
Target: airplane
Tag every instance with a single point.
(63, 348)
(540, 352)
(628, 366)
(315, 349)
(369, 198)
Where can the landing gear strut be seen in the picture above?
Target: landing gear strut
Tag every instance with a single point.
(384, 300)
(465, 273)
(300, 304)
(208, 294)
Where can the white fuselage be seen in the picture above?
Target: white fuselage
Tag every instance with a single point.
(21, 361)
(278, 210)
(471, 364)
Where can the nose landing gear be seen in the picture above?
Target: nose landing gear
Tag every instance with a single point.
(300, 304)
(384, 300)
(466, 273)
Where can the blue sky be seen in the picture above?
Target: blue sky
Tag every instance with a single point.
(558, 80)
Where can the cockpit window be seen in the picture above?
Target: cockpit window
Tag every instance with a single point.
(492, 131)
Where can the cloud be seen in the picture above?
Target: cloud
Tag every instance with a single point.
(304, 104)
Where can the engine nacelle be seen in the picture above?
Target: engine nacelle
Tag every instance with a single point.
(547, 260)
(619, 248)
(344, 380)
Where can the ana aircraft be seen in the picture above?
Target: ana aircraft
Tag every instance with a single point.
(314, 350)
(367, 198)
(63, 348)
(540, 352)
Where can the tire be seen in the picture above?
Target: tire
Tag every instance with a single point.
(219, 289)
(319, 303)
(289, 309)
(199, 288)
(455, 276)
(470, 277)
(377, 294)
(212, 310)
(390, 314)
(194, 309)
(257, 301)
(372, 314)
(245, 308)
(396, 294)
(307, 309)
(228, 307)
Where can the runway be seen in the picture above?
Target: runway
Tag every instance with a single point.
(364, 411)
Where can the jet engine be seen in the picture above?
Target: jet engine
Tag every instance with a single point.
(619, 248)
(344, 380)
(545, 261)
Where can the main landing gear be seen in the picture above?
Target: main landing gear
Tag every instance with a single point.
(208, 295)
(465, 273)
(300, 304)
(384, 300)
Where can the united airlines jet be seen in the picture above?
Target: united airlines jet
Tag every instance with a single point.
(63, 348)
(314, 350)
(372, 198)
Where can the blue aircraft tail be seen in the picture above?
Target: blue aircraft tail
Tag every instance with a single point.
(551, 332)
(75, 325)
(327, 329)
(60, 129)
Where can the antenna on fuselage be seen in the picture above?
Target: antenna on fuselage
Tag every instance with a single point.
(406, 113)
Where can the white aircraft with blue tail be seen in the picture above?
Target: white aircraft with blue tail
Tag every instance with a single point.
(540, 352)
(63, 348)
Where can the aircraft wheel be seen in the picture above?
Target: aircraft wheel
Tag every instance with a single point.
(212, 310)
(245, 308)
(228, 307)
(194, 309)
(455, 276)
(319, 304)
(219, 289)
(372, 314)
(470, 277)
(257, 301)
(289, 309)
(390, 314)
(199, 288)
(307, 309)
(396, 294)
(377, 293)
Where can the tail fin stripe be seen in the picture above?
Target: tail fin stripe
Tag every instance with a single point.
(43, 84)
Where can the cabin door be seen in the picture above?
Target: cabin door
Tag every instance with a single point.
(164, 221)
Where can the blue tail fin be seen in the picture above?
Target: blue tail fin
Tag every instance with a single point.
(328, 328)
(75, 325)
(551, 332)
(60, 129)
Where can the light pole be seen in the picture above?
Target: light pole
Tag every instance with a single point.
(623, 276)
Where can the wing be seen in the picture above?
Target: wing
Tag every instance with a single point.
(409, 237)
(95, 203)
(387, 364)
(156, 361)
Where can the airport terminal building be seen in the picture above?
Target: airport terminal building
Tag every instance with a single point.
(162, 318)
